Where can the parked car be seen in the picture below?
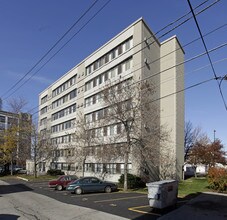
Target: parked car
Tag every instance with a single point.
(62, 181)
(91, 184)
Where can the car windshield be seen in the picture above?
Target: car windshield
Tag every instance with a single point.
(60, 178)
(75, 181)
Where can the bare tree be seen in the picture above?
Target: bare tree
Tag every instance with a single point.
(130, 105)
(16, 105)
(191, 136)
(42, 149)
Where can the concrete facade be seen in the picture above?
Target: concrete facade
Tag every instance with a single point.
(136, 54)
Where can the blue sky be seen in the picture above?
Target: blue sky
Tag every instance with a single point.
(30, 28)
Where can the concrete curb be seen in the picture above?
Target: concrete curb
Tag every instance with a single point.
(18, 177)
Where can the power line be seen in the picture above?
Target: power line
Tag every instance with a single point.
(168, 95)
(155, 74)
(60, 39)
(152, 43)
(131, 48)
(61, 47)
(207, 52)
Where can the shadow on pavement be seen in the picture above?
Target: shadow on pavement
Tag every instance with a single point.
(6, 189)
(8, 217)
(152, 213)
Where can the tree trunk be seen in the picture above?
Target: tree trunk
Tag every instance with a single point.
(126, 171)
(11, 171)
(83, 166)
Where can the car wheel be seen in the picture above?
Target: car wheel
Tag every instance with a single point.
(78, 191)
(59, 187)
(108, 189)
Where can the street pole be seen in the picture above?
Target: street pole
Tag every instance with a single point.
(214, 135)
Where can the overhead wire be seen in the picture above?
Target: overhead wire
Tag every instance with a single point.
(155, 74)
(208, 54)
(52, 47)
(159, 38)
(133, 46)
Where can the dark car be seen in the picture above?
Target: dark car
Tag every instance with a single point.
(91, 184)
(62, 182)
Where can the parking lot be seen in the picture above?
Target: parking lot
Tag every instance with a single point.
(130, 205)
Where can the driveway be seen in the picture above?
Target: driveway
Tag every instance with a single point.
(22, 203)
(127, 205)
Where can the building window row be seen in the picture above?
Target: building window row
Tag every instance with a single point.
(43, 110)
(61, 140)
(110, 168)
(109, 130)
(64, 86)
(123, 47)
(44, 99)
(118, 69)
(43, 121)
(68, 152)
(69, 110)
(63, 126)
(97, 98)
(62, 166)
(97, 115)
(64, 99)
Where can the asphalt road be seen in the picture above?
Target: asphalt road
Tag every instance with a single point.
(128, 205)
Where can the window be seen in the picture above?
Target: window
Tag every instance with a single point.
(43, 110)
(100, 79)
(105, 131)
(127, 65)
(119, 68)
(118, 128)
(113, 72)
(106, 76)
(44, 99)
(113, 54)
(127, 45)
(2, 119)
(120, 49)
(106, 58)
(73, 94)
(111, 168)
(112, 129)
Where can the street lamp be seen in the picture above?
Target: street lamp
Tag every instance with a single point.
(214, 135)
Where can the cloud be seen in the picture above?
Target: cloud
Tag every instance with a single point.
(39, 79)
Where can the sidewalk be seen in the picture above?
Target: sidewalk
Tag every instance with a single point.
(206, 206)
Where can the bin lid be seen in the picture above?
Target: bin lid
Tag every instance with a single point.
(162, 182)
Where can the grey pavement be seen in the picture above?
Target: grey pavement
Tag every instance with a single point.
(206, 206)
(27, 205)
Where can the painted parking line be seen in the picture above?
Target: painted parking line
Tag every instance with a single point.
(137, 209)
(92, 194)
(118, 199)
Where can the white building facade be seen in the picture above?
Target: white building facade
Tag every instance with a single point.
(135, 54)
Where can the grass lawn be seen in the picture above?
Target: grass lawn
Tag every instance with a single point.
(187, 188)
(30, 177)
(192, 186)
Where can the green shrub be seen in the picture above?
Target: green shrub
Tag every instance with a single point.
(133, 181)
(217, 178)
(53, 172)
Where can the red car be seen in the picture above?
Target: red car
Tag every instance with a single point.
(62, 182)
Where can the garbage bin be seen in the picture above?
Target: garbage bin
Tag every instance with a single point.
(162, 194)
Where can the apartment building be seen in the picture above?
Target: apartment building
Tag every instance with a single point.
(21, 120)
(134, 54)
